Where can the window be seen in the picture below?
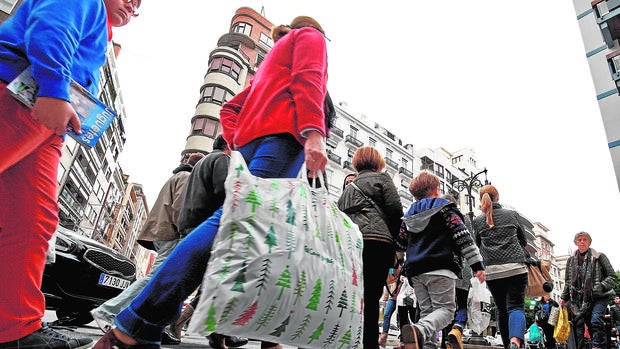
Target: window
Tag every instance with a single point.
(260, 56)
(372, 142)
(608, 19)
(404, 163)
(242, 28)
(226, 66)
(215, 94)
(353, 131)
(439, 170)
(7, 6)
(265, 39)
(205, 126)
(388, 153)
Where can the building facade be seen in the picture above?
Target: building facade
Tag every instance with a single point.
(599, 23)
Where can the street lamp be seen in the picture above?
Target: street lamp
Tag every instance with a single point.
(468, 184)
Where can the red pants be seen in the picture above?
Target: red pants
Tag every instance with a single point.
(29, 156)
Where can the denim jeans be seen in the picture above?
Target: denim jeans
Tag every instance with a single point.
(111, 307)
(390, 306)
(509, 295)
(595, 320)
(436, 297)
(278, 156)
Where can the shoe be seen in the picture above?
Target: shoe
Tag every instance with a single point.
(168, 338)
(513, 345)
(217, 341)
(109, 341)
(235, 342)
(383, 339)
(178, 325)
(455, 338)
(104, 322)
(412, 337)
(47, 338)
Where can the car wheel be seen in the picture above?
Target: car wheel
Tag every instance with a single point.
(73, 317)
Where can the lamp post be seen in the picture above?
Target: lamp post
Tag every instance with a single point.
(468, 184)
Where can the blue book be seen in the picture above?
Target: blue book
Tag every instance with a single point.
(94, 115)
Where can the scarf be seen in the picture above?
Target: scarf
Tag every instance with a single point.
(581, 280)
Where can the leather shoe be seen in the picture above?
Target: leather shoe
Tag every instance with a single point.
(235, 342)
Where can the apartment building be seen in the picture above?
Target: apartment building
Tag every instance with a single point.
(599, 23)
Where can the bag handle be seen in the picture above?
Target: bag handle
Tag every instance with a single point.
(374, 204)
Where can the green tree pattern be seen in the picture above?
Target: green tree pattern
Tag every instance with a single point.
(346, 339)
(263, 276)
(234, 231)
(353, 301)
(240, 279)
(225, 268)
(330, 296)
(317, 332)
(290, 212)
(239, 169)
(254, 198)
(271, 239)
(301, 286)
(291, 242)
(284, 281)
(247, 315)
(302, 327)
(331, 337)
(342, 302)
(274, 207)
(228, 308)
(211, 322)
(282, 327)
(316, 296)
(267, 316)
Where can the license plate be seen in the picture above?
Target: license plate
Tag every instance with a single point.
(113, 281)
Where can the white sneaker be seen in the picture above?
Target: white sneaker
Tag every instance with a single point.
(104, 322)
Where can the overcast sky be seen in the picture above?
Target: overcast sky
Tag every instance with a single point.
(509, 79)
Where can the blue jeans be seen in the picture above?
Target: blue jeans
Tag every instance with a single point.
(390, 305)
(509, 295)
(595, 320)
(159, 304)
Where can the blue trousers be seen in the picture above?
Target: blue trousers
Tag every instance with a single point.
(509, 295)
(159, 304)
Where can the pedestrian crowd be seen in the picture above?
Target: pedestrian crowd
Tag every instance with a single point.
(418, 262)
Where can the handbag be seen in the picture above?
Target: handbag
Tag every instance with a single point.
(539, 281)
(286, 265)
(562, 329)
(553, 316)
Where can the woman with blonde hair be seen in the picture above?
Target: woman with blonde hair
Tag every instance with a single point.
(373, 203)
(501, 239)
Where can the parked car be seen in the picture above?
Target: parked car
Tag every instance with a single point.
(84, 275)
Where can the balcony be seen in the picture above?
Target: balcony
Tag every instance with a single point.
(336, 133)
(348, 165)
(333, 157)
(353, 142)
(405, 172)
(405, 194)
(391, 163)
(331, 142)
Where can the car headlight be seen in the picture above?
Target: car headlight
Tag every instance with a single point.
(64, 244)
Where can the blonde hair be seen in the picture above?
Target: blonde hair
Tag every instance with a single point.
(488, 195)
(368, 158)
(423, 185)
(277, 32)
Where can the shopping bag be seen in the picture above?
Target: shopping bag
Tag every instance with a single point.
(478, 306)
(538, 278)
(562, 329)
(286, 265)
(553, 316)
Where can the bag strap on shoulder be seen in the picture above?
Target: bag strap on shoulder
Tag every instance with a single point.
(367, 198)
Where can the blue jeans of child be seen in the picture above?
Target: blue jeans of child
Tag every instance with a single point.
(390, 306)
(278, 156)
(509, 295)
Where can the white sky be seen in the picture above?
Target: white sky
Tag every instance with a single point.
(509, 79)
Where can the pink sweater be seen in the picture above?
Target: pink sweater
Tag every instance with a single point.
(286, 94)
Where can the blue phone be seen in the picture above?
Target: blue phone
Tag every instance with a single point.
(391, 271)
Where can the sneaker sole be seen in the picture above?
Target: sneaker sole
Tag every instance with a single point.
(454, 342)
(409, 337)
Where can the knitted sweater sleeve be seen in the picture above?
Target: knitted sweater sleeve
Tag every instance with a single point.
(462, 238)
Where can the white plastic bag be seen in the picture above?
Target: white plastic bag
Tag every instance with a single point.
(478, 306)
(286, 265)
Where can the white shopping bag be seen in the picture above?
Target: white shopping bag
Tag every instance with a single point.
(286, 265)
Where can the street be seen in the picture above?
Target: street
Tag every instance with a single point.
(91, 330)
